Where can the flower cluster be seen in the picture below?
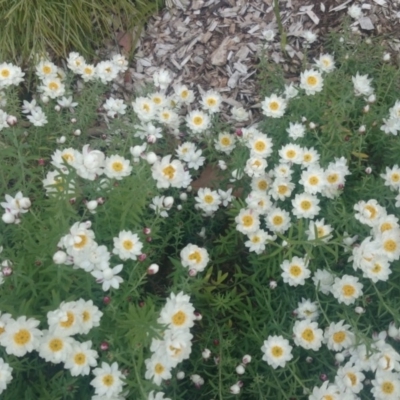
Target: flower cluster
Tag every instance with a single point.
(14, 207)
(175, 343)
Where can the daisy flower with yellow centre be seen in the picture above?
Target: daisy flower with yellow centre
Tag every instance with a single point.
(225, 142)
(178, 312)
(90, 313)
(108, 380)
(277, 351)
(325, 63)
(81, 358)
(144, 108)
(388, 244)
(327, 391)
(338, 336)
(168, 117)
(106, 71)
(159, 99)
(10, 75)
(319, 230)
(323, 280)
(305, 205)
(5, 375)
(377, 269)
(127, 246)
(21, 336)
(392, 177)
(75, 62)
(386, 222)
(260, 145)
(52, 87)
(310, 157)
(311, 81)
(207, 200)
(117, 167)
(46, 69)
(55, 348)
(313, 179)
(66, 320)
(184, 94)
(274, 106)
(307, 335)
(278, 220)
(170, 173)
(157, 369)
(197, 121)
(247, 221)
(68, 156)
(88, 72)
(291, 153)
(255, 166)
(349, 378)
(369, 212)
(258, 240)
(295, 272)
(211, 101)
(386, 386)
(261, 183)
(259, 201)
(194, 257)
(347, 289)
(281, 189)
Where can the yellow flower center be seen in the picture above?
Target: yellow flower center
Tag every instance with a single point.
(169, 171)
(274, 105)
(46, 69)
(108, 380)
(117, 166)
(146, 107)
(305, 205)
(332, 178)
(277, 351)
(328, 397)
(277, 220)
(290, 154)
(82, 243)
(22, 337)
(53, 86)
(247, 221)
(263, 185)
(198, 120)
(5, 73)
(166, 115)
(295, 270)
(387, 387)
(127, 244)
(211, 102)
(307, 157)
(179, 318)
(395, 177)
(208, 198)
(225, 141)
(320, 232)
(80, 358)
(339, 337)
(312, 80)
(196, 256)
(260, 145)
(386, 226)
(308, 335)
(352, 378)
(157, 100)
(313, 180)
(390, 245)
(376, 268)
(282, 189)
(1, 330)
(67, 157)
(86, 316)
(256, 239)
(56, 345)
(70, 320)
(159, 368)
(348, 290)
(108, 70)
(88, 70)
(184, 94)
(257, 163)
(372, 211)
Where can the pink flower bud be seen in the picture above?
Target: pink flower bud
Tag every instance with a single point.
(147, 231)
(192, 272)
(197, 316)
(101, 200)
(323, 377)
(149, 239)
(106, 300)
(273, 284)
(104, 346)
(41, 161)
(151, 139)
(153, 269)
(309, 360)
(239, 132)
(368, 170)
(246, 359)
(142, 257)
(72, 200)
(11, 120)
(7, 271)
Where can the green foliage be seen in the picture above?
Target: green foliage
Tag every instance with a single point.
(30, 27)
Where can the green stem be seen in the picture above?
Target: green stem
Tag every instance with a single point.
(139, 381)
(280, 26)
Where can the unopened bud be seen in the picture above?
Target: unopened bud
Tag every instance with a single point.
(7, 271)
(366, 108)
(41, 161)
(371, 98)
(192, 272)
(101, 200)
(197, 380)
(11, 120)
(146, 231)
(77, 132)
(151, 158)
(386, 57)
(25, 203)
(106, 300)
(179, 207)
(153, 269)
(368, 170)
(57, 108)
(61, 140)
(197, 316)
(359, 310)
(206, 353)
(92, 205)
(235, 389)
(59, 257)
(240, 370)
(183, 196)
(323, 377)
(339, 357)
(73, 120)
(151, 139)
(361, 129)
(142, 257)
(104, 346)
(8, 218)
(239, 132)
(246, 359)
(273, 284)
(45, 99)
(312, 125)
(168, 202)
(309, 359)
(180, 375)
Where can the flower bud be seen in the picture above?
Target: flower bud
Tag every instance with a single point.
(11, 120)
(197, 380)
(183, 196)
(149, 239)
(88, 224)
(104, 346)
(189, 189)
(101, 200)
(168, 202)
(206, 353)
(41, 161)
(359, 310)
(235, 389)
(240, 370)
(151, 139)
(339, 357)
(136, 151)
(77, 132)
(192, 272)
(371, 98)
(8, 218)
(106, 300)
(151, 158)
(361, 129)
(323, 377)
(72, 200)
(146, 231)
(73, 120)
(368, 170)
(59, 257)
(61, 140)
(180, 375)
(179, 207)
(222, 165)
(393, 332)
(92, 205)
(25, 203)
(153, 269)
(142, 257)
(386, 57)
(7, 271)
(57, 108)
(309, 359)
(45, 99)
(312, 125)
(246, 359)
(197, 316)
(239, 132)
(216, 342)
(366, 108)
(273, 284)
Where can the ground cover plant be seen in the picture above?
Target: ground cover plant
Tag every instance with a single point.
(276, 280)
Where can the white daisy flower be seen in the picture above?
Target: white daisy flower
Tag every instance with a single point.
(46, 69)
(211, 101)
(278, 220)
(369, 212)
(87, 72)
(362, 85)
(326, 391)
(68, 156)
(282, 171)
(347, 289)
(391, 126)
(313, 179)
(291, 153)
(338, 336)
(311, 81)
(169, 173)
(21, 336)
(261, 183)
(281, 189)
(92, 163)
(349, 378)
(81, 358)
(184, 94)
(305, 206)
(168, 117)
(66, 320)
(225, 142)
(127, 245)
(274, 106)
(197, 121)
(157, 369)
(144, 108)
(277, 351)
(162, 79)
(108, 277)
(5, 375)
(90, 315)
(355, 11)
(255, 166)
(319, 230)
(259, 202)
(114, 107)
(257, 241)
(108, 380)
(159, 99)
(10, 75)
(239, 114)
(392, 177)
(309, 157)
(55, 348)
(75, 62)
(307, 335)
(388, 244)
(207, 200)
(260, 146)
(178, 312)
(247, 221)
(386, 386)
(296, 130)
(295, 272)
(157, 396)
(307, 309)
(194, 257)
(117, 167)
(37, 117)
(52, 87)
(325, 63)
(106, 71)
